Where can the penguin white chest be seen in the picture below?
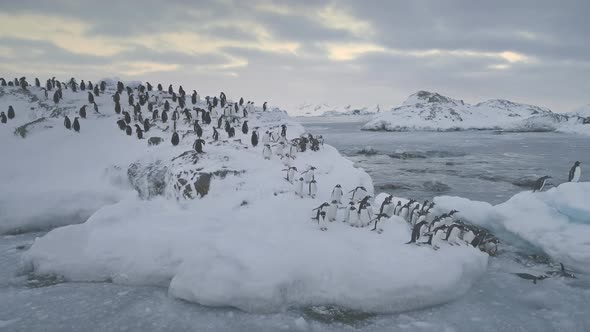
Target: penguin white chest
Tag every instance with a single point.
(331, 212)
(336, 195)
(577, 174)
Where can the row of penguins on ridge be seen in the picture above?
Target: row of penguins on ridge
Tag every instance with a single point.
(359, 213)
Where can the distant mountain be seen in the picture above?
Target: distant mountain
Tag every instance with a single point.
(434, 112)
(325, 110)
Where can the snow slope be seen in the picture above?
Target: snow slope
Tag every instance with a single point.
(249, 242)
(325, 110)
(432, 111)
(557, 221)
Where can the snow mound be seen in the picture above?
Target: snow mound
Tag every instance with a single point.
(434, 112)
(221, 228)
(557, 221)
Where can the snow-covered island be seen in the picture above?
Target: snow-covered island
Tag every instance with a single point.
(327, 110)
(220, 222)
(429, 111)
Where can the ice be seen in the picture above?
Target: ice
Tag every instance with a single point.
(557, 221)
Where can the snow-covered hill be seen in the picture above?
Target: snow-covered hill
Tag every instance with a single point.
(325, 110)
(432, 111)
(220, 228)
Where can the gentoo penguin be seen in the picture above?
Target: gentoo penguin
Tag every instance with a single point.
(170, 90)
(531, 277)
(122, 124)
(404, 211)
(283, 130)
(397, 208)
(138, 131)
(198, 145)
(266, 138)
(358, 193)
(146, 125)
(264, 106)
(300, 187)
(336, 194)
(127, 117)
(322, 221)
(468, 236)
(280, 149)
(291, 173)
(10, 112)
(245, 127)
(95, 107)
(3, 117)
(312, 188)
(453, 233)
(90, 98)
(231, 132)
(385, 204)
(89, 85)
(197, 128)
(417, 232)
(128, 130)
(574, 175)
(175, 139)
(76, 125)
(96, 91)
(117, 108)
(155, 115)
(56, 97)
(318, 210)
(67, 123)
(215, 134)
(103, 86)
(561, 273)
(266, 152)
(164, 116)
(309, 174)
(254, 138)
(194, 97)
(160, 88)
(377, 220)
(351, 216)
(82, 112)
(540, 183)
(220, 121)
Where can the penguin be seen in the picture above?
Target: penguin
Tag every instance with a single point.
(220, 121)
(280, 149)
(540, 183)
(194, 97)
(146, 125)
(76, 125)
(197, 128)
(561, 273)
(312, 188)
(336, 194)
(309, 174)
(245, 127)
(3, 117)
(384, 206)
(127, 117)
(266, 138)
(170, 90)
(397, 208)
(300, 187)
(468, 236)
(95, 108)
(82, 85)
(417, 232)
(453, 233)
(377, 220)
(319, 210)
(164, 116)
(404, 211)
(358, 193)
(89, 85)
(138, 131)
(351, 217)
(122, 124)
(231, 132)
(96, 92)
(56, 97)
(160, 88)
(90, 98)
(264, 107)
(574, 175)
(117, 108)
(10, 113)
(103, 86)
(267, 152)
(198, 145)
(291, 173)
(175, 139)
(128, 130)
(531, 277)
(155, 115)
(215, 134)
(82, 112)
(322, 221)
(67, 123)
(254, 138)
(283, 130)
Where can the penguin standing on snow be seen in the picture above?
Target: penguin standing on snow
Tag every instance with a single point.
(67, 123)
(198, 129)
(264, 106)
(312, 188)
(540, 183)
(351, 217)
(10, 112)
(245, 127)
(254, 138)
(332, 211)
(574, 176)
(358, 193)
(128, 130)
(82, 112)
(417, 232)
(146, 125)
(164, 116)
(337, 194)
(198, 145)
(322, 221)
(90, 98)
(138, 131)
(291, 173)
(175, 139)
(267, 152)
(300, 187)
(309, 174)
(3, 118)
(76, 125)
(127, 117)
(215, 134)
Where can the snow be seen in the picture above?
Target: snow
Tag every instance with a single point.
(327, 110)
(556, 221)
(428, 111)
(248, 243)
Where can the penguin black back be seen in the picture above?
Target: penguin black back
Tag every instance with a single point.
(90, 98)
(76, 125)
(10, 112)
(67, 123)
(175, 139)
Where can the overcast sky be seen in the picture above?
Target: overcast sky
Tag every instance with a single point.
(290, 52)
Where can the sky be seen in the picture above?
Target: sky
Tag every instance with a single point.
(292, 52)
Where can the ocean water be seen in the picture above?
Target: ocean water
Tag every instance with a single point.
(478, 165)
